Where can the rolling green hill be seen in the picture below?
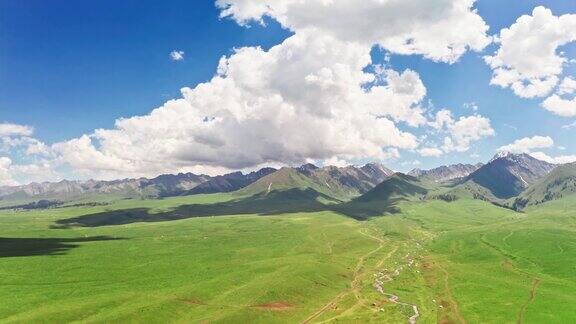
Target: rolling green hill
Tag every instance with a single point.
(342, 183)
(385, 197)
(300, 245)
(283, 179)
(276, 260)
(559, 183)
(398, 187)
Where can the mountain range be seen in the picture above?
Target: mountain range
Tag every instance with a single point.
(505, 176)
(445, 173)
(162, 186)
(340, 182)
(510, 180)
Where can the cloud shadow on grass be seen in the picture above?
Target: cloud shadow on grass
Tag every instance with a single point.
(22, 247)
(273, 203)
(365, 210)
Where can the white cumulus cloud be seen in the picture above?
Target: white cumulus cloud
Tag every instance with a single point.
(461, 132)
(430, 151)
(307, 98)
(560, 106)
(466, 130)
(528, 144)
(527, 60)
(5, 174)
(177, 55)
(301, 99)
(9, 129)
(440, 30)
(561, 159)
(569, 126)
(568, 86)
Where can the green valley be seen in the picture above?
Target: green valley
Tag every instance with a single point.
(288, 161)
(290, 256)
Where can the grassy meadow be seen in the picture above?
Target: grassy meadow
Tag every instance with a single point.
(283, 261)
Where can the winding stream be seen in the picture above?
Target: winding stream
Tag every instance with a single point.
(382, 278)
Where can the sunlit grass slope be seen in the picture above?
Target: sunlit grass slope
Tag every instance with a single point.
(429, 260)
(244, 268)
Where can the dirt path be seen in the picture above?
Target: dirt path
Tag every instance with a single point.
(274, 306)
(505, 238)
(330, 304)
(354, 284)
(509, 265)
(535, 284)
(387, 257)
(451, 298)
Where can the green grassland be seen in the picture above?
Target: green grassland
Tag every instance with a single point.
(289, 258)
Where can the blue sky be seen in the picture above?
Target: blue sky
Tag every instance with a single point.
(70, 67)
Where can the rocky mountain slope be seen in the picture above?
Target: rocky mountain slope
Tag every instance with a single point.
(230, 182)
(445, 173)
(162, 186)
(506, 175)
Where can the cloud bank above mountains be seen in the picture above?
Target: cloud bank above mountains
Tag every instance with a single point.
(308, 98)
(533, 146)
(315, 96)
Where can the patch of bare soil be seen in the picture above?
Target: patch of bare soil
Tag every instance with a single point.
(438, 278)
(192, 301)
(275, 306)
